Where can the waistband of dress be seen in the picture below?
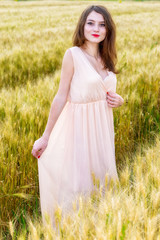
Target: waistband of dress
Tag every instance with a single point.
(84, 103)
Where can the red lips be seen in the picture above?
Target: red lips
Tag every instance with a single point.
(95, 35)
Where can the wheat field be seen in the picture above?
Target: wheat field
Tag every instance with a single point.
(33, 38)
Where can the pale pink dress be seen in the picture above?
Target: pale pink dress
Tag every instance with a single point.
(82, 140)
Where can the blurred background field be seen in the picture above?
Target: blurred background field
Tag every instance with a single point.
(33, 39)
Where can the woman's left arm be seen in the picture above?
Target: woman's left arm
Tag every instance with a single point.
(114, 100)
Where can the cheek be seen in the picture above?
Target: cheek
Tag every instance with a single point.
(104, 32)
(87, 31)
(87, 28)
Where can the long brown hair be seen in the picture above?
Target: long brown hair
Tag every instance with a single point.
(107, 48)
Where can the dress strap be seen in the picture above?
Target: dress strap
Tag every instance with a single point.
(76, 57)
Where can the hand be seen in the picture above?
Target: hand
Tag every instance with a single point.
(114, 100)
(39, 146)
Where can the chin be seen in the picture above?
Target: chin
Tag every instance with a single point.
(94, 40)
(98, 41)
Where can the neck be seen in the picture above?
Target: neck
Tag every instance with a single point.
(91, 48)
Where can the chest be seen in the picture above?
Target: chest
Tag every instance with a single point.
(98, 66)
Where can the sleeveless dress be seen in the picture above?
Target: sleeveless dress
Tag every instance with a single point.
(81, 142)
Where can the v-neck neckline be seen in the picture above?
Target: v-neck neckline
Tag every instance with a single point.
(93, 67)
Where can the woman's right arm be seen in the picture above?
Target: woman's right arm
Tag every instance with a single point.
(58, 103)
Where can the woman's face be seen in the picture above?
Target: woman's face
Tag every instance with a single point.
(94, 28)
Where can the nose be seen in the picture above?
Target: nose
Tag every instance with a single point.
(96, 27)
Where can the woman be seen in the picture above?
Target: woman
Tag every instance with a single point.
(79, 137)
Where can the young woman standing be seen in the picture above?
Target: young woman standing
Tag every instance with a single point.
(79, 136)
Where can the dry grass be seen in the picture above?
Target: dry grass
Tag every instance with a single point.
(130, 211)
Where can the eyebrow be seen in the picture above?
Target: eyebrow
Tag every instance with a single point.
(94, 21)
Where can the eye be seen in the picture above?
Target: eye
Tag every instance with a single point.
(102, 25)
(90, 23)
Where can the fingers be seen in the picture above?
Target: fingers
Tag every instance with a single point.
(110, 93)
(36, 152)
(111, 105)
(39, 147)
(113, 99)
(40, 153)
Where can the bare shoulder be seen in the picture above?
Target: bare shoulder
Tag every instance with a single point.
(67, 66)
(67, 72)
(68, 59)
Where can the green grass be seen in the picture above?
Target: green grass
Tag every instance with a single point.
(130, 211)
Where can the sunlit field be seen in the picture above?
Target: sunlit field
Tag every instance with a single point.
(33, 39)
